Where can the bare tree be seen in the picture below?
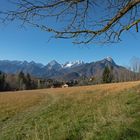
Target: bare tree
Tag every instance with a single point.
(135, 67)
(135, 64)
(84, 21)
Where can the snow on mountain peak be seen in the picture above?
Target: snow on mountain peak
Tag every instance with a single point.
(70, 64)
(109, 59)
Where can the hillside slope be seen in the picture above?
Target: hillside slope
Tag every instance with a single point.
(102, 112)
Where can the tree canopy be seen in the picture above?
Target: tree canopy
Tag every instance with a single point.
(107, 75)
(84, 21)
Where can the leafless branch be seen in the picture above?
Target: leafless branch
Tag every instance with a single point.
(83, 20)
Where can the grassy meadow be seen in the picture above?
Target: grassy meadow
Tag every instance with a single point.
(100, 112)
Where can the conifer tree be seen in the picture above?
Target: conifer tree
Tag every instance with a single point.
(107, 75)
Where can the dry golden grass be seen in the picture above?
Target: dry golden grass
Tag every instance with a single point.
(18, 101)
(14, 102)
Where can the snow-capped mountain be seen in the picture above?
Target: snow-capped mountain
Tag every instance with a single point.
(67, 71)
(109, 59)
(70, 64)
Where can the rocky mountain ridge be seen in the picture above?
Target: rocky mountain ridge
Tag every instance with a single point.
(55, 70)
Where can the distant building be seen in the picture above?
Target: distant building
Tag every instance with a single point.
(65, 86)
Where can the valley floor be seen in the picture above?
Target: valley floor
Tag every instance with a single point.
(101, 112)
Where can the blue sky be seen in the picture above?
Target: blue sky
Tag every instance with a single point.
(31, 44)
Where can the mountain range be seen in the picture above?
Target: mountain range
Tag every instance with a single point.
(66, 71)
